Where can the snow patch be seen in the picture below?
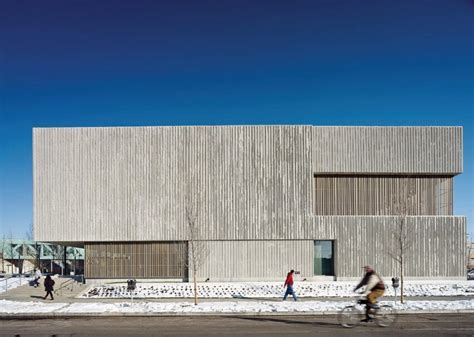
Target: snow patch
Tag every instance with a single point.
(241, 290)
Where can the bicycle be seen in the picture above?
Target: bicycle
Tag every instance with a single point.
(352, 315)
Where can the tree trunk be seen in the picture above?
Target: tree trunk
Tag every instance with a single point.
(38, 256)
(20, 265)
(401, 281)
(195, 288)
(63, 269)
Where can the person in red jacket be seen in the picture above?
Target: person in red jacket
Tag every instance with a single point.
(289, 286)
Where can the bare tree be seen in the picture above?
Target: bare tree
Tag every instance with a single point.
(29, 233)
(58, 254)
(33, 248)
(402, 235)
(74, 252)
(197, 249)
(17, 250)
(22, 252)
(4, 246)
(11, 248)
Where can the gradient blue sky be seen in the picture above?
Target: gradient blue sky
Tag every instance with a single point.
(108, 63)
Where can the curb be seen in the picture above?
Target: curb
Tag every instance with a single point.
(52, 315)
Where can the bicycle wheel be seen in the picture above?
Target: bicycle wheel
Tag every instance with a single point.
(386, 316)
(350, 316)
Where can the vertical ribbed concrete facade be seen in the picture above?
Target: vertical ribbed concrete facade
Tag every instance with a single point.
(264, 196)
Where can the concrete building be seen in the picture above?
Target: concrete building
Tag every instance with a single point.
(324, 201)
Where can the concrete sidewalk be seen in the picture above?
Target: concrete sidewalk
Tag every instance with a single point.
(69, 294)
(65, 290)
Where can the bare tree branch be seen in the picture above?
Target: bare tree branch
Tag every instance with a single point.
(4, 244)
(58, 255)
(29, 233)
(197, 249)
(402, 236)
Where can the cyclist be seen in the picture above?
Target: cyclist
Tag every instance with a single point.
(374, 289)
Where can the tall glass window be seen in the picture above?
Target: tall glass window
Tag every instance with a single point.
(324, 258)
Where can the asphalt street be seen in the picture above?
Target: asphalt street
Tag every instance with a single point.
(408, 325)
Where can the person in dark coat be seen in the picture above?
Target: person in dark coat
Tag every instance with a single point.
(289, 285)
(374, 288)
(48, 287)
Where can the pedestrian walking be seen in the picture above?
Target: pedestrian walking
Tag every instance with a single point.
(289, 286)
(37, 277)
(48, 287)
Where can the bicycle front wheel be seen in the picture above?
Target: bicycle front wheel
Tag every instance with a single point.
(386, 316)
(350, 316)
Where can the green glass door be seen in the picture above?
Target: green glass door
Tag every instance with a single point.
(324, 258)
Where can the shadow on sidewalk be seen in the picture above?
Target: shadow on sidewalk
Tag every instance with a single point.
(266, 299)
(285, 320)
(34, 296)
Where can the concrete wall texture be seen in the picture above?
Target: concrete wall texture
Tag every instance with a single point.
(253, 190)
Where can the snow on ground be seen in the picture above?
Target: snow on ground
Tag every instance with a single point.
(271, 289)
(229, 307)
(13, 282)
(29, 307)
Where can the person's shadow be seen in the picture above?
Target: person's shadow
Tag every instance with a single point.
(35, 296)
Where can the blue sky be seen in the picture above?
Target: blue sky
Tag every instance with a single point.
(106, 63)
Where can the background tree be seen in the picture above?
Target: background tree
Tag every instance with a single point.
(74, 252)
(402, 235)
(11, 250)
(4, 247)
(29, 232)
(34, 248)
(58, 256)
(197, 249)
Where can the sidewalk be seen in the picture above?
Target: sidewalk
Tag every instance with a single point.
(27, 302)
(29, 293)
(26, 293)
(9, 309)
